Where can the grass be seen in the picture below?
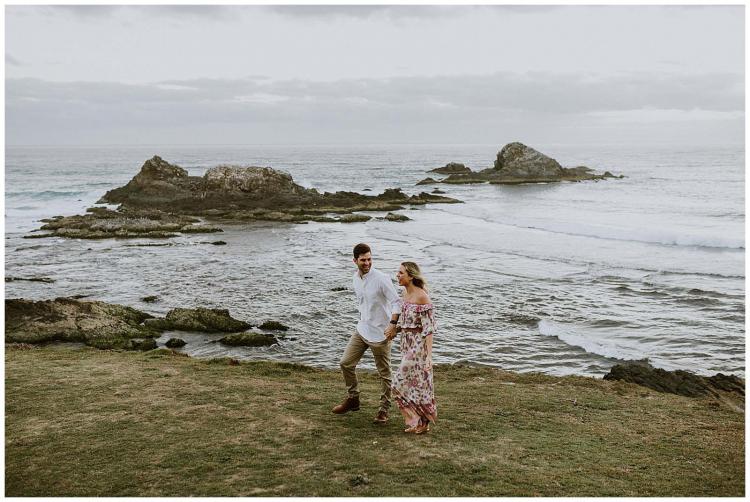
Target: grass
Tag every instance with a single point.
(107, 423)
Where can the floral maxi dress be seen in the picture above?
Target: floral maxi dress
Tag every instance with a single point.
(412, 384)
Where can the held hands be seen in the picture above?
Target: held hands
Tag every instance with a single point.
(390, 332)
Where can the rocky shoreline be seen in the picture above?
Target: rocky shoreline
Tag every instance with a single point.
(111, 326)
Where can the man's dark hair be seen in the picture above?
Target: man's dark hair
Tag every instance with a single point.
(361, 248)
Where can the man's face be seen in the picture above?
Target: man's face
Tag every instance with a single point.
(364, 262)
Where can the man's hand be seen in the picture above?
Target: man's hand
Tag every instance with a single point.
(390, 332)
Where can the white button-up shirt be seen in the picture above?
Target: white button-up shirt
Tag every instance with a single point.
(378, 300)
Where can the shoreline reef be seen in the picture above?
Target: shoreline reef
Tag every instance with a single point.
(89, 422)
(163, 201)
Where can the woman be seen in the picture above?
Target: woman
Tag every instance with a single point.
(412, 383)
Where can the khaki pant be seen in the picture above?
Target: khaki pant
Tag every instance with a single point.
(381, 351)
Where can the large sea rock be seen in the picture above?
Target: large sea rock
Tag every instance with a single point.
(517, 163)
(521, 161)
(246, 193)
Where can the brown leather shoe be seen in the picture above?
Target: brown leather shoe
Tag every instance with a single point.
(381, 417)
(349, 404)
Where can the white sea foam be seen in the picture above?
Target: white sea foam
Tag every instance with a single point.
(577, 337)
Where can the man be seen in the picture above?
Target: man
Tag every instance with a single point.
(378, 301)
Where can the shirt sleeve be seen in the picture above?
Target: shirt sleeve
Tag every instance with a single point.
(391, 295)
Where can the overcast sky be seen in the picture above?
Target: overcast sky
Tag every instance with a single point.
(253, 74)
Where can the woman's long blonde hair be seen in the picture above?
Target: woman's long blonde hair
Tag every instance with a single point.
(415, 273)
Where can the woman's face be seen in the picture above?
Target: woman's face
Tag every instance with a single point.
(403, 276)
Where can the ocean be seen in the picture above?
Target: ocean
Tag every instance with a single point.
(560, 278)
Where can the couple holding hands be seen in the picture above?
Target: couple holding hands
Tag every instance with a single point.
(382, 314)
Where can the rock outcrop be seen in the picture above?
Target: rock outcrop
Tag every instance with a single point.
(517, 163)
(103, 223)
(247, 193)
(105, 325)
(163, 201)
(200, 319)
(98, 324)
(676, 382)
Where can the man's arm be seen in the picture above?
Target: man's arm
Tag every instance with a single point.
(391, 296)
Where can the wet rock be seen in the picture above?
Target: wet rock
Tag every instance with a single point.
(452, 168)
(200, 319)
(150, 299)
(219, 243)
(249, 339)
(354, 218)
(94, 323)
(438, 191)
(104, 223)
(339, 288)
(396, 217)
(175, 342)
(30, 279)
(428, 181)
(676, 382)
(273, 326)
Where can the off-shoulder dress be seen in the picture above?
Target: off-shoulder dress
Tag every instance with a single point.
(412, 384)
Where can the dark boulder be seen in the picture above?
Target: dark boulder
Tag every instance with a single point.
(200, 319)
(396, 217)
(249, 339)
(175, 342)
(676, 382)
(273, 326)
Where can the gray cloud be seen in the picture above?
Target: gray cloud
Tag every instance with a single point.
(399, 11)
(537, 91)
(87, 12)
(435, 107)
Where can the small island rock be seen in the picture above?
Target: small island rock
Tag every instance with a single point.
(451, 168)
